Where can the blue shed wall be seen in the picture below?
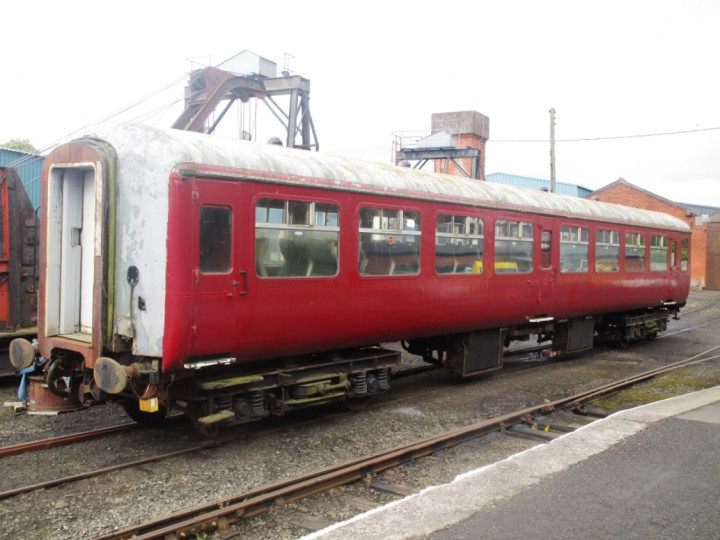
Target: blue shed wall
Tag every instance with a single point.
(29, 168)
(537, 183)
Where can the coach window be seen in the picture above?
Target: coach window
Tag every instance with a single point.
(574, 243)
(389, 242)
(634, 252)
(673, 254)
(658, 253)
(513, 247)
(546, 250)
(458, 244)
(296, 238)
(607, 251)
(684, 254)
(215, 239)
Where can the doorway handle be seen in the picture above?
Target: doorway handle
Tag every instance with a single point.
(244, 275)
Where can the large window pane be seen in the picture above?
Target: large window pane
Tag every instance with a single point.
(607, 251)
(458, 245)
(658, 253)
(296, 238)
(634, 252)
(513, 247)
(389, 242)
(574, 249)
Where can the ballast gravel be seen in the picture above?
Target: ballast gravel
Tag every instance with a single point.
(278, 449)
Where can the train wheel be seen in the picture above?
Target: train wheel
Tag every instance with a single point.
(132, 408)
(208, 431)
(356, 404)
(651, 336)
(216, 432)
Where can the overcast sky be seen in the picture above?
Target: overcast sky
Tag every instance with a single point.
(611, 69)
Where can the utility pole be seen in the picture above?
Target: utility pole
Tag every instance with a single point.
(552, 150)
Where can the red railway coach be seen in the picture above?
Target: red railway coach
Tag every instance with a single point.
(18, 253)
(232, 280)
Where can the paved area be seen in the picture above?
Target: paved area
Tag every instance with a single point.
(649, 472)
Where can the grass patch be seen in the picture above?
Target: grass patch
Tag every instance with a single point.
(72, 465)
(662, 387)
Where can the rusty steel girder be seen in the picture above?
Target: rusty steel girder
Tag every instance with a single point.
(208, 87)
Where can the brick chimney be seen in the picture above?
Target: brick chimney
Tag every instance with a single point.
(471, 130)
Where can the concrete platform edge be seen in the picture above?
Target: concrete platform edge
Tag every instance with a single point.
(437, 507)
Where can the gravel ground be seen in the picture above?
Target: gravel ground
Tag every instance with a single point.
(416, 407)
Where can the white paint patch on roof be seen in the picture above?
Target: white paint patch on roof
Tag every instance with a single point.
(169, 148)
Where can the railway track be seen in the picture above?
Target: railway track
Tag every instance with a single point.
(89, 435)
(55, 442)
(106, 470)
(64, 440)
(222, 514)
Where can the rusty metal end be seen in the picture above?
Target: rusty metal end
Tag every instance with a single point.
(22, 353)
(110, 375)
(42, 401)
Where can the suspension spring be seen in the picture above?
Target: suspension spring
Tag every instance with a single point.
(383, 378)
(359, 383)
(257, 402)
(222, 403)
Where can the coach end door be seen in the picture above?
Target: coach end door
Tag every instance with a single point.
(546, 266)
(219, 277)
(70, 253)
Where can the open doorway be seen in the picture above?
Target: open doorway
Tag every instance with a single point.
(70, 253)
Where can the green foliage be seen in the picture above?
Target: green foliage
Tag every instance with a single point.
(21, 145)
(671, 384)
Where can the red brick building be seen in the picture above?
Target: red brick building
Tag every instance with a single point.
(702, 260)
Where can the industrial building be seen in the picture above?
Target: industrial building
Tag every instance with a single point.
(29, 169)
(704, 221)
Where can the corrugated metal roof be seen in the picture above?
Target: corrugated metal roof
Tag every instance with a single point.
(165, 149)
(700, 210)
(528, 182)
(29, 168)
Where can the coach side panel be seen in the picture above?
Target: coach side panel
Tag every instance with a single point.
(262, 270)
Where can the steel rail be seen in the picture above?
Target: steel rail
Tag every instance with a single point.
(55, 442)
(634, 379)
(70, 439)
(221, 514)
(63, 440)
(97, 472)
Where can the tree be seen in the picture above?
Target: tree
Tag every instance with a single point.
(21, 145)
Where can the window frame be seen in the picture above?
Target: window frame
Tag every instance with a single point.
(655, 249)
(640, 236)
(459, 265)
(607, 243)
(524, 234)
(205, 248)
(574, 235)
(299, 239)
(377, 242)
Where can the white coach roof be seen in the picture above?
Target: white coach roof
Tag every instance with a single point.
(166, 149)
